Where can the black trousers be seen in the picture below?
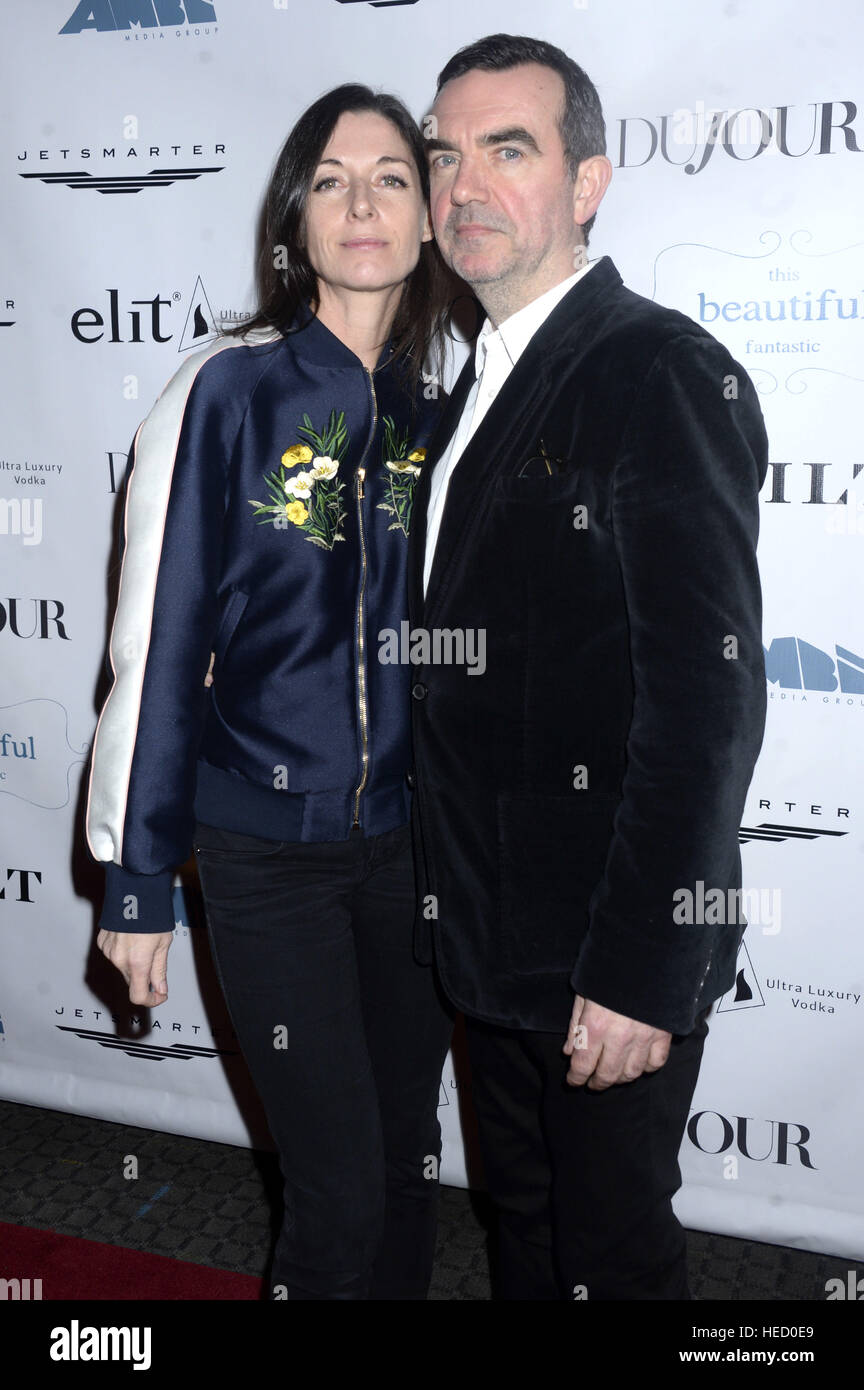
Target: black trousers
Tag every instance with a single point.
(345, 1036)
(582, 1180)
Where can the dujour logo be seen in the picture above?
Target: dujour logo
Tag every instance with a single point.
(758, 1140)
(35, 617)
(688, 139)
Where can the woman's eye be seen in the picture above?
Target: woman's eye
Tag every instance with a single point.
(323, 184)
(393, 181)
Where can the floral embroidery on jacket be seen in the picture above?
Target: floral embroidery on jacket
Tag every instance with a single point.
(309, 498)
(400, 473)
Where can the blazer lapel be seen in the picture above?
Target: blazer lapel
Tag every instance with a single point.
(570, 328)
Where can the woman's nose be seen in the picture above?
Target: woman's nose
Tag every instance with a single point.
(362, 202)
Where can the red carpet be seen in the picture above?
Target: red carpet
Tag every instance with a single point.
(82, 1269)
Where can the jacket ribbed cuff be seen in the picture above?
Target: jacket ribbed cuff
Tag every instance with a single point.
(137, 902)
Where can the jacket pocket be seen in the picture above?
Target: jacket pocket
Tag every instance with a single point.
(539, 489)
(551, 854)
(231, 616)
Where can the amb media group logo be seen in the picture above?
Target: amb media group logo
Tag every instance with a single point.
(143, 19)
(797, 670)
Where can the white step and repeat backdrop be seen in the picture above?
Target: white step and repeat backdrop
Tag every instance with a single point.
(137, 137)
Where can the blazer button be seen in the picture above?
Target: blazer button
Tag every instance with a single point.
(409, 778)
(419, 691)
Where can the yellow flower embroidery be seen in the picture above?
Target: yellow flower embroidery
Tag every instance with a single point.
(298, 453)
(296, 512)
(417, 456)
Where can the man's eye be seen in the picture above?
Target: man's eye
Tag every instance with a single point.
(508, 150)
(443, 161)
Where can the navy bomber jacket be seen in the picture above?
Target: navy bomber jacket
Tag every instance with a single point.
(263, 524)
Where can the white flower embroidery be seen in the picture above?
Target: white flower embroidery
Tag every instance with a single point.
(402, 466)
(301, 486)
(324, 467)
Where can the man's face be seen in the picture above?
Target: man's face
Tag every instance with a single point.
(502, 200)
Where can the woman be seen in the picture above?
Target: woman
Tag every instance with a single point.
(267, 519)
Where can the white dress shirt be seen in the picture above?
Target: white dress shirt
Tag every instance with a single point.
(496, 354)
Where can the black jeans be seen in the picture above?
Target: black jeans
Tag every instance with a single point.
(582, 1180)
(345, 1036)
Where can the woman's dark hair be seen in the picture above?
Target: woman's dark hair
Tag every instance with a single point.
(287, 284)
(583, 130)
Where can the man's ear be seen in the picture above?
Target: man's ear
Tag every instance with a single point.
(427, 234)
(590, 184)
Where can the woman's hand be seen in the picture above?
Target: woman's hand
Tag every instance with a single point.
(142, 959)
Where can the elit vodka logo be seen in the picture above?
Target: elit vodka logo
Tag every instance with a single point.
(746, 992)
(115, 317)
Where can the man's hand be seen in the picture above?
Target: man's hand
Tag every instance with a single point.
(142, 959)
(608, 1047)
(208, 679)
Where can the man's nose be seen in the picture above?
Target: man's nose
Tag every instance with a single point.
(470, 185)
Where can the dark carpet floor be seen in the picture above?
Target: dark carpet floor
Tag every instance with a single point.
(216, 1205)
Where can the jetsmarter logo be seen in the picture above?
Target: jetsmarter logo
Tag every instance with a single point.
(437, 646)
(76, 1343)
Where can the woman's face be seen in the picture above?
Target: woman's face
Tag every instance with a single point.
(365, 212)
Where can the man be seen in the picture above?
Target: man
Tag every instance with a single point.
(590, 505)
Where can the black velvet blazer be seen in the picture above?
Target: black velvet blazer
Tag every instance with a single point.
(600, 529)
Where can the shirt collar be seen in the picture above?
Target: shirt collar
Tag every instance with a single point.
(516, 332)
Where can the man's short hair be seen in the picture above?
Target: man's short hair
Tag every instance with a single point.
(583, 130)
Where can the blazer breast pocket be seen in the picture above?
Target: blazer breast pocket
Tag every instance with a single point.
(551, 855)
(533, 484)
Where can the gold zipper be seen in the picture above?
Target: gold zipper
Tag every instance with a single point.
(360, 475)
